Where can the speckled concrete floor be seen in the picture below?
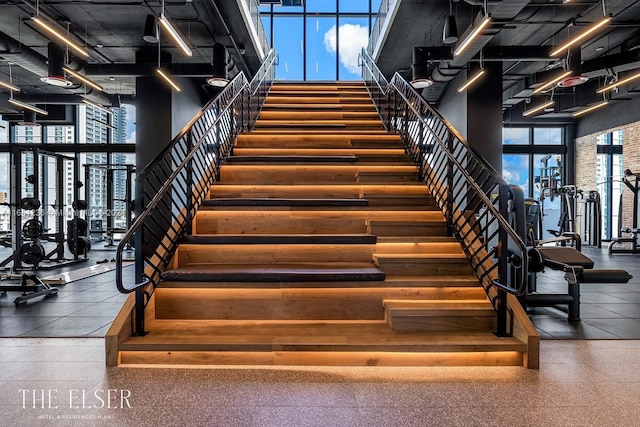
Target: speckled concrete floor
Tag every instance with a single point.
(580, 383)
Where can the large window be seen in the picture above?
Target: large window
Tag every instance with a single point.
(320, 40)
(609, 172)
(533, 158)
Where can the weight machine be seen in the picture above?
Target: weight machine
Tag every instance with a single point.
(96, 226)
(633, 231)
(27, 237)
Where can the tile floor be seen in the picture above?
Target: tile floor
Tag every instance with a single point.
(580, 383)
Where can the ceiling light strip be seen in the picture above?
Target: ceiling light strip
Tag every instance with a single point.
(174, 34)
(551, 82)
(10, 86)
(582, 35)
(47, 26)
(590, 109)
(538, 108)
(618, 83)
(98, 106)
(26, 106)
(83, 79)
(168, 79)
(472, 36)
(471, 81)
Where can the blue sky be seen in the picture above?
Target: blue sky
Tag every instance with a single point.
(323, 45)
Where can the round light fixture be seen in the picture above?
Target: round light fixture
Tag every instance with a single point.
(572, 81)
(58, 81)
(217, 81)
(421, 83)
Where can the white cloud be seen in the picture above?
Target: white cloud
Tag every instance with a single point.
(131, 138)
(352, 39)
(510, 176)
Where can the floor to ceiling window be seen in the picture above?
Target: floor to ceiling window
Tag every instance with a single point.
(320, 40)
(533, 159)
(609, 172)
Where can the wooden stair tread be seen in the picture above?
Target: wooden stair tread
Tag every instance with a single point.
(291, 159)
(296, 239)
(272, 201)
(333, 271)
(212, 335)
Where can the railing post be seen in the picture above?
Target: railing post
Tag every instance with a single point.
(139, 261)
(503, 254)
(450, 192)
(190, 195)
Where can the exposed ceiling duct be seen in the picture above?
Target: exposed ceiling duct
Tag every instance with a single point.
(446, 71)
(32, 61)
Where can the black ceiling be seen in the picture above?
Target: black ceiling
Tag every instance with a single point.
(112, 31)
(519, 32)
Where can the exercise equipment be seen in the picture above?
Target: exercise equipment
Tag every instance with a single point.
(590, 212)
(35, 289)
(103, 226)
(633, 230)
(577, 269)
(30, 218)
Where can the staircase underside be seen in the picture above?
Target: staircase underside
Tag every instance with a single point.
(320, 246)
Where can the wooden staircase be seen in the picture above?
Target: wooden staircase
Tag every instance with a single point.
(320, 246)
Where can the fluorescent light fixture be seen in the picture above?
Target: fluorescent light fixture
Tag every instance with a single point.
(98, 106)
(83, 79)
(29, 107)
(10, 86)
(47, 26)
(537, 109)
(590, 109)
(421, 83)
(166, 77)
(618, 83)
(582, 35)
(551, 82)
(471, 81)
(174, 34)
(472, 36)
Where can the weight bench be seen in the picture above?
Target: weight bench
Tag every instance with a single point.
(577, 269)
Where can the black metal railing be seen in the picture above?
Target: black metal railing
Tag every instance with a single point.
(171, 188)
(474, 198)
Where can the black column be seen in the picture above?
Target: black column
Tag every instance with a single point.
(484, 113)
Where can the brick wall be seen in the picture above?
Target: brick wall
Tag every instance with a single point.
(586, 163)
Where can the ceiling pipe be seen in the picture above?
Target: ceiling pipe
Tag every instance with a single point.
(32, 61)
(501, 12)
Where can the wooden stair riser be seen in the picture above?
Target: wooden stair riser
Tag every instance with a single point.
(456, 287)
(318, 357)
(408, 229)
(446, 264)
(303, 174)
(300, 221)
(317, 141)
(190, 254)
(317, 115)
(300, 100)
(451, 248)
(427, 315)
(375, 194)
(284, 304)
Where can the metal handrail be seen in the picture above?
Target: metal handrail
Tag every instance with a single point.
(171, 188)
(475, 199)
